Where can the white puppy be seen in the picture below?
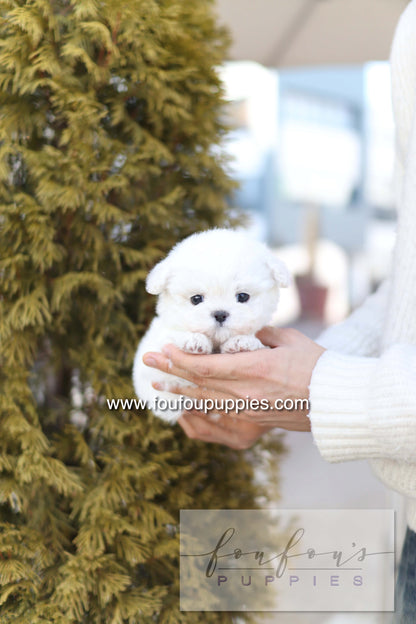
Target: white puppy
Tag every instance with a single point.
(216, 290)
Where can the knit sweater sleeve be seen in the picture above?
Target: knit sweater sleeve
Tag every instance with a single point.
(360, 333)
(364, 408)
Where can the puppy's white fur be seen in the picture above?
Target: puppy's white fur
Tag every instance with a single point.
(218, 265)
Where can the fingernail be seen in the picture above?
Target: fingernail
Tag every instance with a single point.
(149, 361)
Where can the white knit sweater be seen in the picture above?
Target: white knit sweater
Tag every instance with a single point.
(363, 388)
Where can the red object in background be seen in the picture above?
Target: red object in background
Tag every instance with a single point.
(312, 297)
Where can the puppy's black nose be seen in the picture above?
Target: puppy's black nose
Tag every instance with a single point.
(220, 316)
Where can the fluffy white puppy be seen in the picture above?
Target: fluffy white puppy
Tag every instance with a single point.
(216, 290)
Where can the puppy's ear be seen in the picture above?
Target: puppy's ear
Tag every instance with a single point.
(157, 279)
(279, 271)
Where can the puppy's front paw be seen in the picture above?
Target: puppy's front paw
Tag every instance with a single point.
(196, 343)
(241, 343)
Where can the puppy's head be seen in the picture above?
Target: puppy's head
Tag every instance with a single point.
(219, 283)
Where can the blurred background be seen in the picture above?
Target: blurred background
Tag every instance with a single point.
(312, 146)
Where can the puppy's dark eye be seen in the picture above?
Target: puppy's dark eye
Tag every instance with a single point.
(197, 299)
(242, 297)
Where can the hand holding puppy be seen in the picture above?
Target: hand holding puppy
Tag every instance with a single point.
(281, 372)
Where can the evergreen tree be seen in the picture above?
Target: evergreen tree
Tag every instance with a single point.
(109, 135)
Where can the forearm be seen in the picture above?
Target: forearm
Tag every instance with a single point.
(365, 408)
(360, 333)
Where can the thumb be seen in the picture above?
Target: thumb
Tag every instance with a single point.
(282, 336)
(270, 336)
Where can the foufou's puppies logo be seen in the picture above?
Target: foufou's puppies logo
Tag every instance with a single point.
(215, 290)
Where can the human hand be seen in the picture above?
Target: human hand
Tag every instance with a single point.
(280, 373)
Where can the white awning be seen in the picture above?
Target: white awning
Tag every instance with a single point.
(288, 33)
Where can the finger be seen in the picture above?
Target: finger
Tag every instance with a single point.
(215, 403)
(290, 425)
(205, 401)
(164, 363)
(217, 366)
(209, 398)
(223, 366)
(199, 428)
(229, 422)
(212, 373)
(224, 407)
(283, 421)
(202, 400)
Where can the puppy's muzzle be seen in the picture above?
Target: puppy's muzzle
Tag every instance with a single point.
(220, 316)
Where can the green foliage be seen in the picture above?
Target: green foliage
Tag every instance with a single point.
(109, 133)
